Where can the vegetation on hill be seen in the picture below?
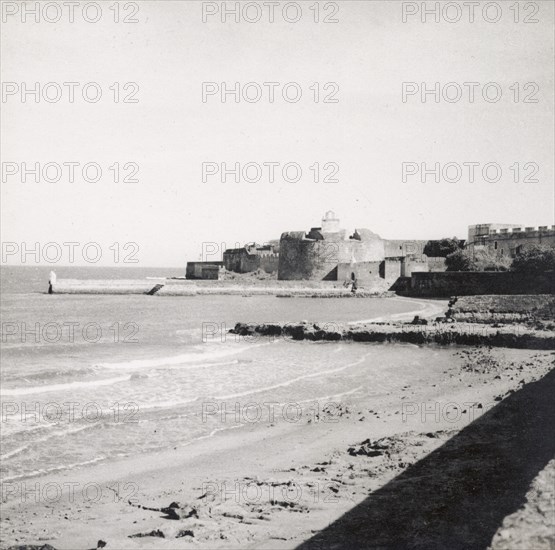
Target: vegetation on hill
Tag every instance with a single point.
(532, 259)
(477, 260)
(535, 259)
(443, 247)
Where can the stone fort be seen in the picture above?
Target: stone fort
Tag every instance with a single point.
(328, 253)
(508, 239)
(252, 257)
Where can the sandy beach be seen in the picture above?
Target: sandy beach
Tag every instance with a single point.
(282, 484)
(277, 275)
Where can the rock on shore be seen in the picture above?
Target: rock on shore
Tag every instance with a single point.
(509, 336)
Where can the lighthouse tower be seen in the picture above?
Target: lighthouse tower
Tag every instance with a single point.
(330, 224)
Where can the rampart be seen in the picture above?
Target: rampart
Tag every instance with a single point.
(203, 270)
(396, 247)
(502, 308)
(327, 253)
(461, 283)
(305, 258)
(250, 258)
(509, 239)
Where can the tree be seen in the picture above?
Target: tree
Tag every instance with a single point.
(476, 260)
(443, 247)
(490, 260)
(535, 259)
(460, 260)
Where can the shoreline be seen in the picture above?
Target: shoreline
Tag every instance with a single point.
(277, 484)
(429, 309)
(324, 467)
(444, 334)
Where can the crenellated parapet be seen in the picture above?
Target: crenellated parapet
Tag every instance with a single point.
(509, 239)
(522, 232)
(251, 257)
(330, 253)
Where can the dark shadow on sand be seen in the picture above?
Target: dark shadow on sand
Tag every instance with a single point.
(457, 496)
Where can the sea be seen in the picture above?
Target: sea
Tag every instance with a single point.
(92, 378)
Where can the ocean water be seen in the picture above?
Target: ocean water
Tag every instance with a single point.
(85, 379)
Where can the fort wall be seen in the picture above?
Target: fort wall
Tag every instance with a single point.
(391, 269)
(512, 242)
(509, 239)
(461, 283)
(250, 258)
(203, 270)
(436, 263)
(365, 273)
(303, 259)
(309, 259)
(327, 253)
(396, 247)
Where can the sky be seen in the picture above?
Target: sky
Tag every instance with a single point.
(361, 61)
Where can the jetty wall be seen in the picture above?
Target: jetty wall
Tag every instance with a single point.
(187, 287)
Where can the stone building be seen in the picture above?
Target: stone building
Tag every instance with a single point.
(328, 253)
(252, 257)
(203, 270)
(508, 239)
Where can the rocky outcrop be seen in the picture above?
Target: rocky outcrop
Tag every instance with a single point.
(503, 308)
(513, 336)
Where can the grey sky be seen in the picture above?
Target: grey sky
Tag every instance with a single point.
(369, 133)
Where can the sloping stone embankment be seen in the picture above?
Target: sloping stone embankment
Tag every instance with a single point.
(503, 308)
(510, 336)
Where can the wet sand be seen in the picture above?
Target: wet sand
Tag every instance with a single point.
(348, 477)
